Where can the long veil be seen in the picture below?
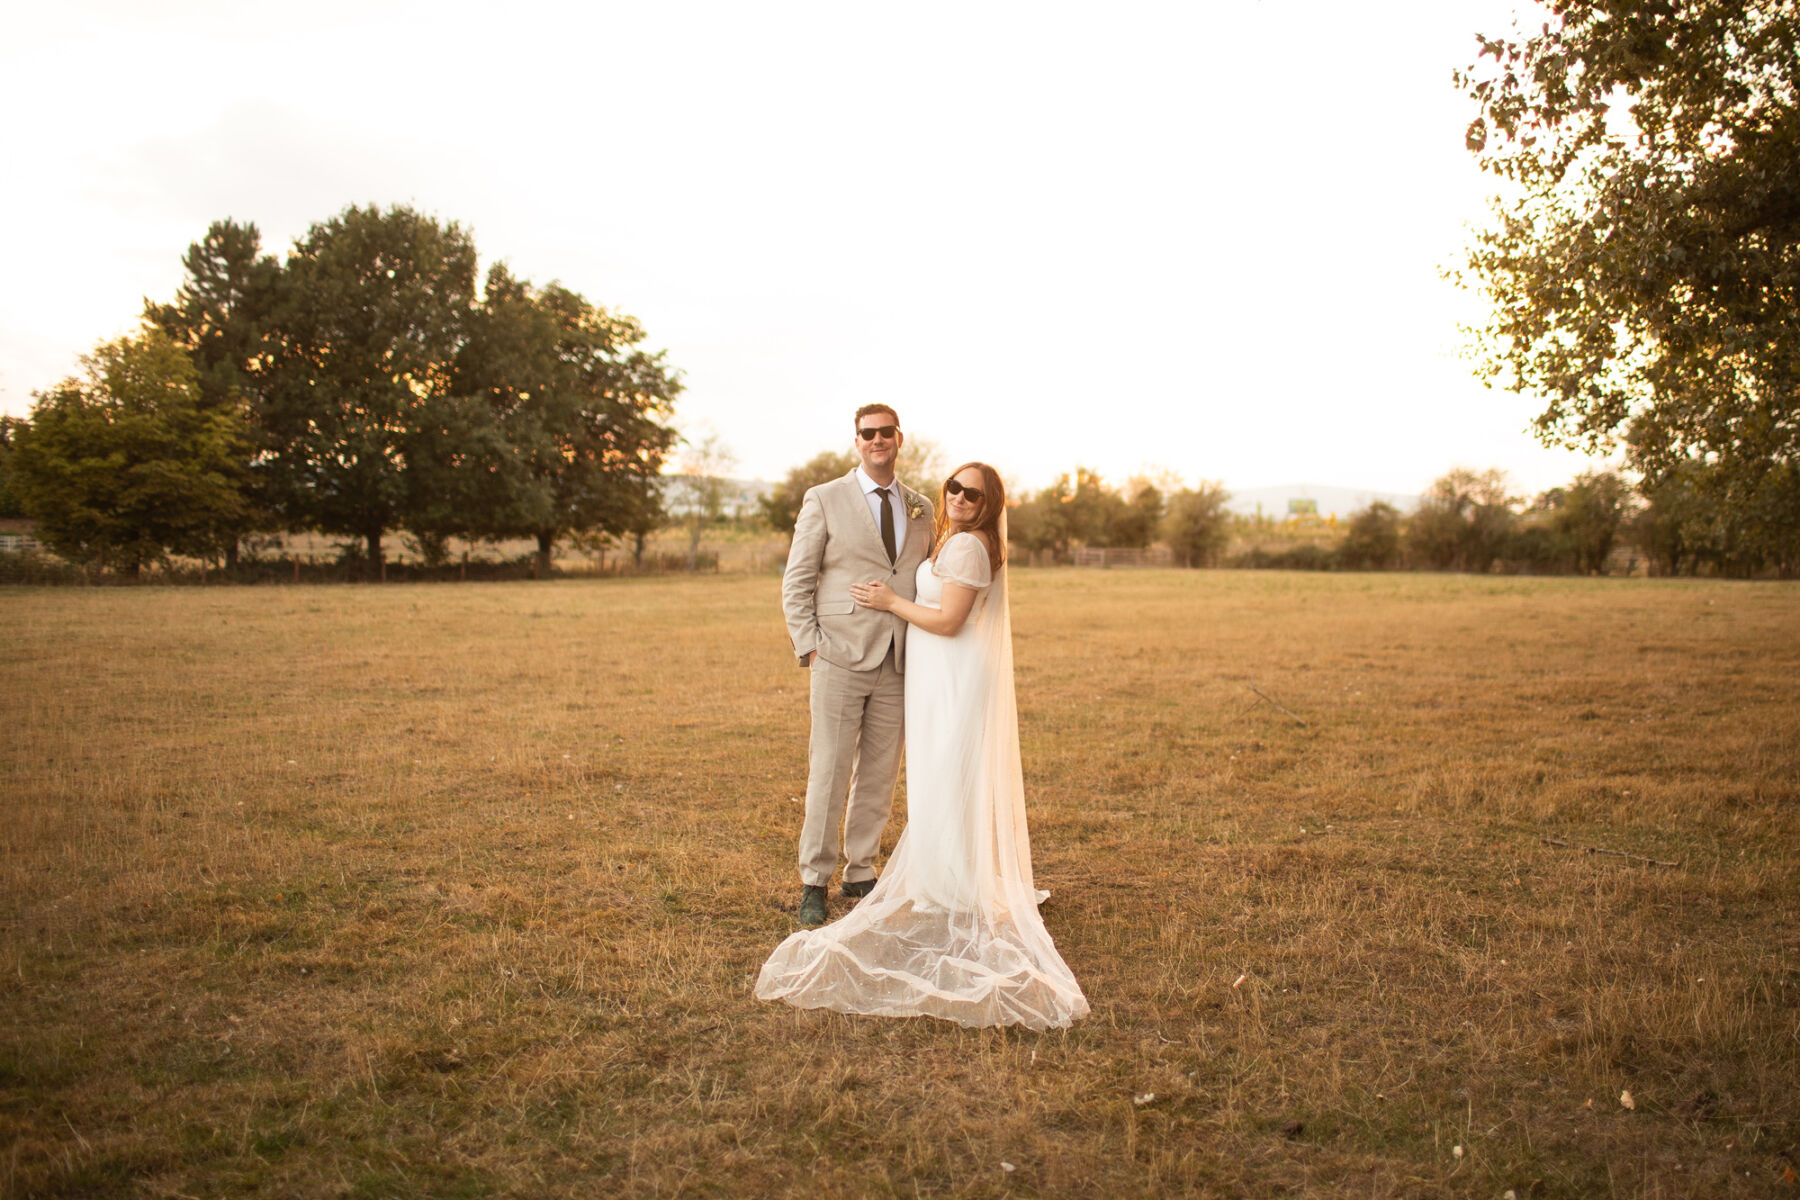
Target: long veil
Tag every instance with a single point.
(952, 928)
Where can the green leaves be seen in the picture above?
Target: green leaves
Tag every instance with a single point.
(576, 408)
(1643, 278)
(357, 388)
(1198, 525)
(129, 464)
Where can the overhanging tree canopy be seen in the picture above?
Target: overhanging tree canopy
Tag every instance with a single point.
(1644, 269)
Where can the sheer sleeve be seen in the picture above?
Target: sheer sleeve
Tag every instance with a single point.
(964, 560)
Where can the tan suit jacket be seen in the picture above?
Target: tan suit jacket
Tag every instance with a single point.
(837, 543)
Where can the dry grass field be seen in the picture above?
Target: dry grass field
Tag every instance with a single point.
(459, 891)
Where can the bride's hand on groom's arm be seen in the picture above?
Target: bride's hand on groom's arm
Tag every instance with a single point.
(959, 601)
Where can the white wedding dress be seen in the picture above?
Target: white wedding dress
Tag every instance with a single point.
(952, 928)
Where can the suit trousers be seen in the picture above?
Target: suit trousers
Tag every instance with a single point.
(858, 726)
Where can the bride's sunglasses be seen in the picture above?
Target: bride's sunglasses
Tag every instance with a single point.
(953, 488)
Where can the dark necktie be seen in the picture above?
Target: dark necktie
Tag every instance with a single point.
(887, 524)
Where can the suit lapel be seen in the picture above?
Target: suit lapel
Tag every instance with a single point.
(916, 527)
(871, 530)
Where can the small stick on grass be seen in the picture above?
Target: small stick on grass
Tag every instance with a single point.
(1289, 712)
(1655, 862)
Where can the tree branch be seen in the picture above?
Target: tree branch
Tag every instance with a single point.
(1289, 712)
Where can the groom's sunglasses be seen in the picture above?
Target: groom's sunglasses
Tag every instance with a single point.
(869, 433)
(953, 488)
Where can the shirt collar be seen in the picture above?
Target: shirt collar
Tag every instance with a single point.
(869, 485)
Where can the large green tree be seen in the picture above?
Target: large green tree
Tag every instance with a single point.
(365, 430)
(224, 315)
(1643, 267)
(130, 463)
(576, 406)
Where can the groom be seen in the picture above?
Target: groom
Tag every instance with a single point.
(865, 526)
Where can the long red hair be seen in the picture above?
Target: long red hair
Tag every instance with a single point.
(987, 514)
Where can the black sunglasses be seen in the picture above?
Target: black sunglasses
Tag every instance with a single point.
(953, 488)
(868, 433)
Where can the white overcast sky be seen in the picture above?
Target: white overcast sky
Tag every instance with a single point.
(1201, 237)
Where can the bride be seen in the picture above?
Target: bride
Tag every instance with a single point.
(952, 928)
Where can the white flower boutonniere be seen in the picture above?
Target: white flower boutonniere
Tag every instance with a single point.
(915, 509)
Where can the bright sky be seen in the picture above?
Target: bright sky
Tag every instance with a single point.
(1199, 237)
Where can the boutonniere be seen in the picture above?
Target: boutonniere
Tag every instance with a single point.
(915, 509)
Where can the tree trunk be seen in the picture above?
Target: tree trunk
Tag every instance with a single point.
(231, 555)
(637, 551)
(377, 568)
(546, 539)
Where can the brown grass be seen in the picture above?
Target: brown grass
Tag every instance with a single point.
(459, 891)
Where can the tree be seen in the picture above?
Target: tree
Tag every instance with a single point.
(131, 464)
(9, 495)
(567, 436)
(1135, 523)
(1042, 522)
(781, 506)
(224, 313)
(1093, 509)
(1372, 541)
(1644, 276)
(1694, 516)
(648, 513)
(364, 429)
(1463, 521)
(705, 487)
(1197, 527)
(223, 316)
(1673, 526)
(1593, 508)
(1082, 509)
